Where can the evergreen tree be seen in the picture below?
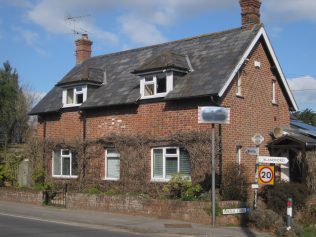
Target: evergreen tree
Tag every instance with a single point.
(13, 110)
(307, 116)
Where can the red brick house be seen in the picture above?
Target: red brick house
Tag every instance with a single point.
(155, 91)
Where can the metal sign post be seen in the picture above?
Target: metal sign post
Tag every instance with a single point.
(213, 174)
(213, 115)
(257, 139)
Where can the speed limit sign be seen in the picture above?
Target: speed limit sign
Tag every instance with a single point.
(266, 175)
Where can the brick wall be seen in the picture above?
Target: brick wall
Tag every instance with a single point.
(21, 195)
(196, 212)
(253, 112)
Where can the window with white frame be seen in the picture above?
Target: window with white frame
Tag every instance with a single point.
(169, 160)
(64, 164)
(112, 164)
(238, 155)
(238, 86)
(274, 99)
(154, 86)
(74, 96)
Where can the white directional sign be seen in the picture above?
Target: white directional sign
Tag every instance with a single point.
(235, 211)
(273, 160)
(252, 151)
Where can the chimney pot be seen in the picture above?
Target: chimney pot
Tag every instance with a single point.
(250, 13)
(83, 48)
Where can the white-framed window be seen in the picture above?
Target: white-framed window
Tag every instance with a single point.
(154, 86)
(64, 164)
(274, 99)
(238, 155)
(238, 85)
(112, 164)
(74, 96)
(169, 160)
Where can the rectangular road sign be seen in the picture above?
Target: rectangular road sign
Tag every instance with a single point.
(273, 160)
(252, 151)
(266, 175)
(235, 211)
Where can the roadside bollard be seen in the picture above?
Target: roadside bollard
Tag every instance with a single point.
(289, 214)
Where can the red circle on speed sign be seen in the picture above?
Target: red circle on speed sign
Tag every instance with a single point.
(266, 174)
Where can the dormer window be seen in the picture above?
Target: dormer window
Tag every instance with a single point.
(74, 96)
(154, 86)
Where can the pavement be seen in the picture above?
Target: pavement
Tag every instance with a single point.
(120, 222)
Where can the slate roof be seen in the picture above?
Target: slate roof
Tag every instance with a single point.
(298, 134)
(212, 56)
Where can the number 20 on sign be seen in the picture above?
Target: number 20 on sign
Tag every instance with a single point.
(266, 175)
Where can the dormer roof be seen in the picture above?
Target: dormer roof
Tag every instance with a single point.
(166, 60)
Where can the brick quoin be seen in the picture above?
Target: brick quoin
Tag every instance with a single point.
(252, 113)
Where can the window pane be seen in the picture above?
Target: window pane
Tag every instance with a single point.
(79, 98)
(149, 78)
(185, 168)
(56, 168)
(79, 88)
(65, 152)
(66, 166)
(112, 152)
(113, 167)
(161, 84)
(74, 165)
(70, 96)
(149, 89)
(171, 150)
(171, 166)
(158, 163)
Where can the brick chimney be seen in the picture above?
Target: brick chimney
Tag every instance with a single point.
(83, 48)
(250, 13)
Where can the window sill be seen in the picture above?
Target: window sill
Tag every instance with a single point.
(154, 96)
(240, 96)
(159, 180)
(71, 105)
(274, 103)
(111, 179)
(153, 180)
(65, 176)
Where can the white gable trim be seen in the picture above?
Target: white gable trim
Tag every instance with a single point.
(262, 33)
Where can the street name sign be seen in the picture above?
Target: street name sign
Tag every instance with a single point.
(266, 175)
(252, 151)
(235, 211)
(273, 160)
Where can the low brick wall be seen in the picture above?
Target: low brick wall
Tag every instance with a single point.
(21, 195)
(196, 212)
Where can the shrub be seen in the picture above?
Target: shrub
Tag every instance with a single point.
(234, 185)
(93, 190)
(276, 196)
(180, 187)
(38, 177)
(265, 219)
(113, 192)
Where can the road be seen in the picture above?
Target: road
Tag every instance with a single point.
(13, 226)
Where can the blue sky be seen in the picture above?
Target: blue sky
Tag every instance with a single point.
(39, 43)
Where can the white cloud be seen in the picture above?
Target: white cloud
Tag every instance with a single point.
(51, 16)
(31, 39)
(282, 10)
(141, 32)
(304, 89)
(151, 15)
